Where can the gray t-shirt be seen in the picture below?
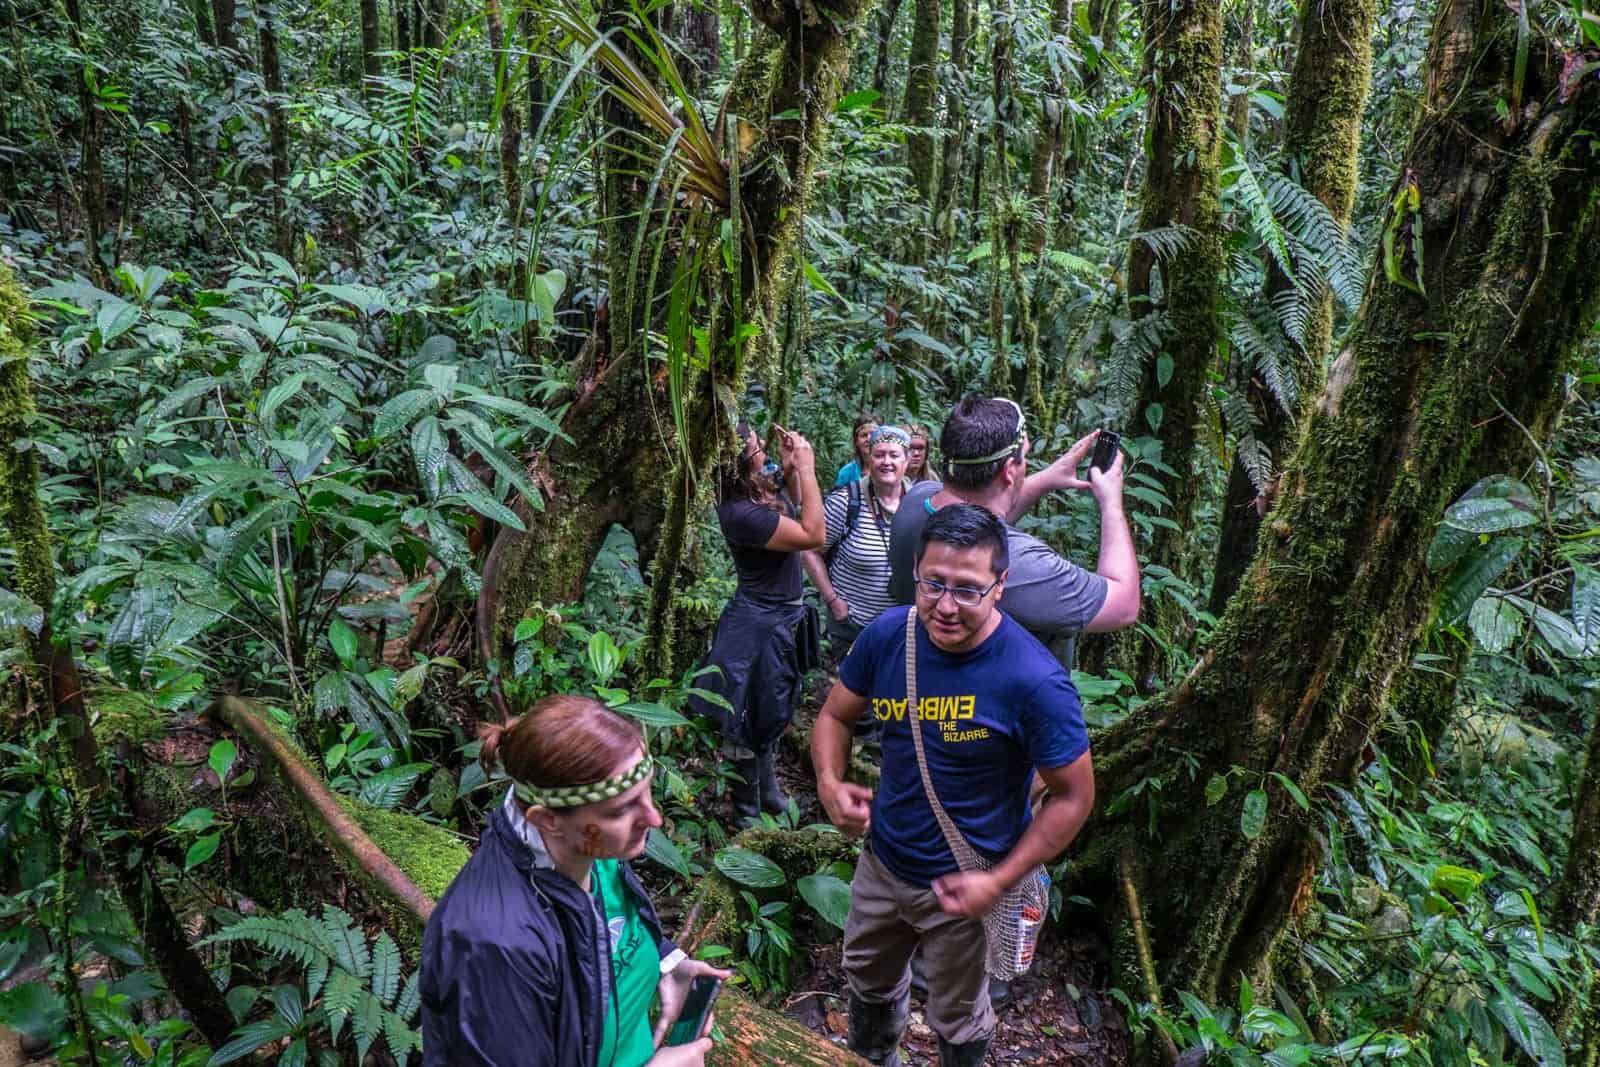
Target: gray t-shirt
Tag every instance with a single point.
(1052, 597)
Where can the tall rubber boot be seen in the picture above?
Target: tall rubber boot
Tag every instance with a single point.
(966, 1054)
(774, 801)
(746, 794)
(876, 1029)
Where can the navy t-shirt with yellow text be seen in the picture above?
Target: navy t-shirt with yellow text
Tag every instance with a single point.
(989, 716)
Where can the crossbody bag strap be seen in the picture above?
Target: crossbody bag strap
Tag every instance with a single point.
(966, 856)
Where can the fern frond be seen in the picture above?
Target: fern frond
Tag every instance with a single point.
(410, 998)
(1264, 223)
(366, 1024)
(349, 944)
(400, 1037)
(1256, 459)
(1166, 241)
(292, 935)
(385, 968)
(1265, 356)
(343, 994)
(1134, 346)
(1324, 237)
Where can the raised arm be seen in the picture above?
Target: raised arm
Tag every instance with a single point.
(799, 471)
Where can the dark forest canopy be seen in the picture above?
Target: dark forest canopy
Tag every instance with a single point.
(365, 373)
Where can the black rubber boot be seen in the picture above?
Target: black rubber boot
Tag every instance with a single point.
(876, 1029)
(774, 801)
(967, 1054)
(746, 794)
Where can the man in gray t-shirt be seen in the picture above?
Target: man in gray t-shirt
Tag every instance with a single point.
(985, 450)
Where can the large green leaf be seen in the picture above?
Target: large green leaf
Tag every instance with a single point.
(1532, 1033)
(749, 868)
(828, 895)
(1495, 622)
(661, 848)
(1474, 574)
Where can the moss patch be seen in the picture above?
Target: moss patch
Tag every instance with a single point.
(430, 855)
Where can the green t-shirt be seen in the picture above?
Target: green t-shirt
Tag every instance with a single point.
(626, 1040)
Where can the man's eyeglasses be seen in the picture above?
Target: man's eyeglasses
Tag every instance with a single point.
(965, 595)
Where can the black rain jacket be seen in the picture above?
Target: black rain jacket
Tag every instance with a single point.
(515, 961)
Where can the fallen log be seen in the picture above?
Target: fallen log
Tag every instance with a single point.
(752, 1034)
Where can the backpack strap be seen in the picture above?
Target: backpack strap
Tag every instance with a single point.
(852, 515)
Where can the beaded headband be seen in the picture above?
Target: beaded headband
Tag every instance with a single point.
(572, 796)
(892, 434)
(1022, 429)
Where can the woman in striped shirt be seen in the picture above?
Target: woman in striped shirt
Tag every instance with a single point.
(852, 571)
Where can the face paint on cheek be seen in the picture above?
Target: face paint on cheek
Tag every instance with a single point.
(590, 845)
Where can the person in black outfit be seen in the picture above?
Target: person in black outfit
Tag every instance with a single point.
(767, 636)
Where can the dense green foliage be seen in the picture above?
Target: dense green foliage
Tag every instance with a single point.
(301, 330)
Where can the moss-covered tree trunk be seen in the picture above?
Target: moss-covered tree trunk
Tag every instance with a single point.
(623, 463)
(1183, 66)
(1048, 144)
(1322, 146)
(921, 97)
(55, 690)
(1429, 393)
(954, 138)
(888, 13)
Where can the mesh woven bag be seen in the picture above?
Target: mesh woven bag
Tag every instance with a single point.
(1011, 927)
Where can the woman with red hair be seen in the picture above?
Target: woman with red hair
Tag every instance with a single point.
(546, 949)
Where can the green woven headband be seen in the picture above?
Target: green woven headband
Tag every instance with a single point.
(572, 796)
(1016, 439)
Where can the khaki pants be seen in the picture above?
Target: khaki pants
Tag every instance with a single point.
(889, 917)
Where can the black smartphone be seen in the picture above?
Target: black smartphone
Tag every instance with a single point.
(1105, 449)
(696, 1009)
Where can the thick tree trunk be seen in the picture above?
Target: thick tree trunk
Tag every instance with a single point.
(1183, 59)
(371, 42)
(202, 23)
(921, 97)
(1322, 144)
(623, 463)
(223, 14)
(1429, 394)
(277, 126)
(887, 14)
(1045, 166)
(955, 125)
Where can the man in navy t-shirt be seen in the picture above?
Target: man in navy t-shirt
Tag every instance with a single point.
(995, 706)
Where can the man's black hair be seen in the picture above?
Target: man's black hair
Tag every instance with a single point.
(967, 526)
(976, 427)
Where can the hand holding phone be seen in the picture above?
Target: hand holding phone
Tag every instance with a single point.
(696, 1010)
(1105, 450)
